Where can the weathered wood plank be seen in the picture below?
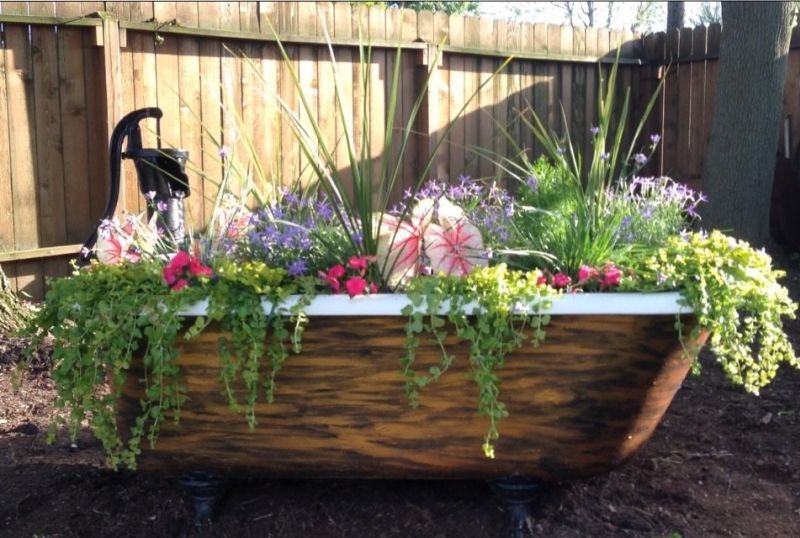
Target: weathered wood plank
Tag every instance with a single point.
(6, 194)
(698, 74)
(21, 115)
(72, 71)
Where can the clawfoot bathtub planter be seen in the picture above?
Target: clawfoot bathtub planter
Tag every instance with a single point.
(579, 405)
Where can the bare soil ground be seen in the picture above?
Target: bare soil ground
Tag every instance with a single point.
(722, 463)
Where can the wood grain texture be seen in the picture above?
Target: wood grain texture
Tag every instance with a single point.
(579, 405)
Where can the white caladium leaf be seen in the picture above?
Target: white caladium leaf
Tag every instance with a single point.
(422, 213)
(110, 248)
(399, 250)
(456, 250)
(449, 213)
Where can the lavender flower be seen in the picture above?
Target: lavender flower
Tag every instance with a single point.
(162, 206)
(595, 130)
(640, 158)
(532, 182)
(297, 268)
(224, 152)
(655, 138)
(150, 195)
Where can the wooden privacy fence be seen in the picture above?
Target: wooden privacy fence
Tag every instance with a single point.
(69, 71)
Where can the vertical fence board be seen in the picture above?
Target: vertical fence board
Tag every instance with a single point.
(326, 92)
(590, 92)
(74, 130)
(671, 102)
(49, 148)
(578, 126)
(210, 51)
(541, 80)
(648, 84)
(698, 74)
(684, 111)
(456, 64)
(6, 193)
(486, 98)
(343, 29)
(712, 66)
(565, 91)
(528, 87)
(554, 79)
(19, 83)
(471, 81)
(134, 202)
(96, 118)
(500, 85)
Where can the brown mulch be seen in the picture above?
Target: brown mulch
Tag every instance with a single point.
(722, 463)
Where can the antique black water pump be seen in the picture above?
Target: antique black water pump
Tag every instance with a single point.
(161, 172)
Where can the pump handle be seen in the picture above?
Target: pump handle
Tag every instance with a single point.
(128, 127)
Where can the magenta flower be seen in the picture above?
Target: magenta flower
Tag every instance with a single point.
(561, 280)
(355, 286)
(586, 273)
(611, 276)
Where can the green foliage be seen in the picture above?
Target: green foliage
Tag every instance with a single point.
(500, 329)
(736, 297)
(103, 316)
(99, 318)
(465, 8)
(587, 234)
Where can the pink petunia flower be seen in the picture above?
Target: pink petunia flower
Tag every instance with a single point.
(561, 280)
(196, 268)
(359, 263)
(586, 273)
(611, 276)
(454, 250)
(180, 284)
(355, 286)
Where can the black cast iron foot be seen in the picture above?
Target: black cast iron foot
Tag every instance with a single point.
(204, 490)
(516, 492)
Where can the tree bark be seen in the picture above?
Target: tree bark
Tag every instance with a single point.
(13, 314)
(675, 12)
(748, 105)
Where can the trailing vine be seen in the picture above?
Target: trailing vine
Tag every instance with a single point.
(101, 317)
(736, 297)
(508, 302)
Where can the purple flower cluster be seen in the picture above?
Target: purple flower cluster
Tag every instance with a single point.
(663, 190)
(282, 233)
(487, 206)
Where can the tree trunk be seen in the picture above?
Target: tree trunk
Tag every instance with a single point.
(675, 12)
(748, 105)
(13, 314)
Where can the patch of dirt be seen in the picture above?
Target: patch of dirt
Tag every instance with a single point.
(722, 463)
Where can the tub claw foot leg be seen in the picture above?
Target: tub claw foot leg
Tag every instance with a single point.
(204, 490)
(516, 493)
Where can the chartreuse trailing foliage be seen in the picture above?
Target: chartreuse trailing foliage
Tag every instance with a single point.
(508, 301)
(736, 296)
